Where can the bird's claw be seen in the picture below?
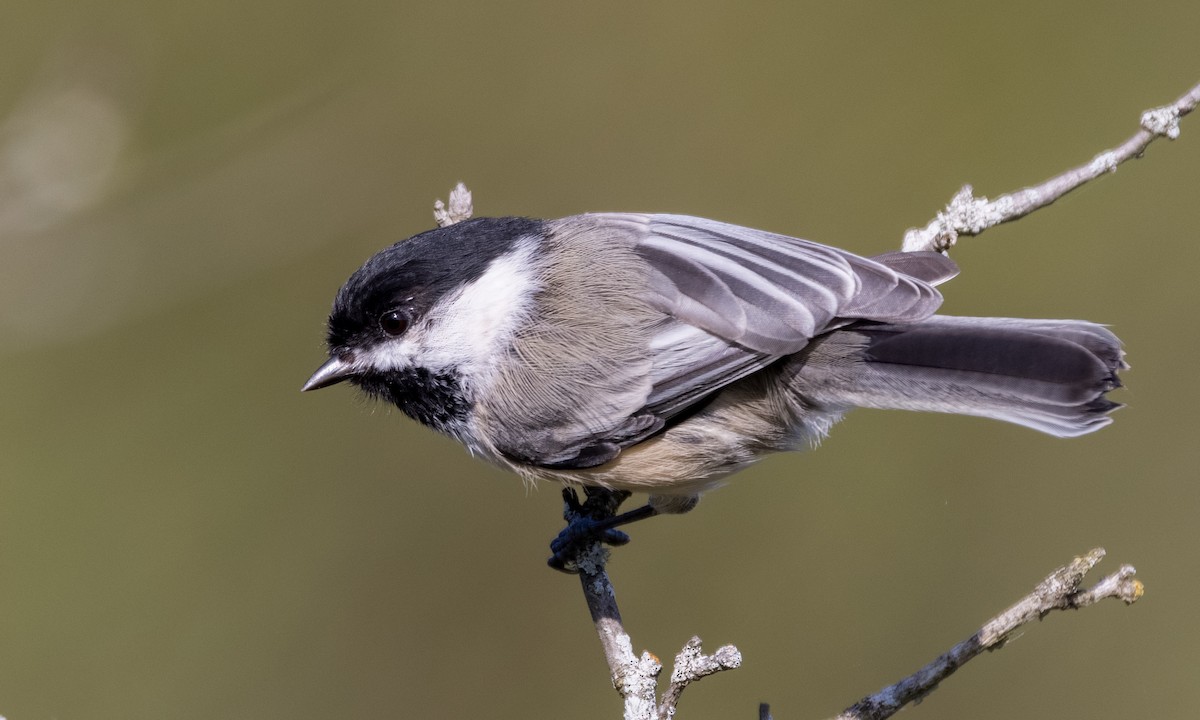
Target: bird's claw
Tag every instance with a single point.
(578, 533)
(584, 527)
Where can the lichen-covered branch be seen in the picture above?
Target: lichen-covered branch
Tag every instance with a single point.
(1061, 590)
(970, 215)
(634, 677)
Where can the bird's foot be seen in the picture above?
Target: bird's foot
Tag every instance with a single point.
(591, 522)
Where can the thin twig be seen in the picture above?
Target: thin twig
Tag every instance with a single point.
(969, 215)
(635, 678)
(1059, 591)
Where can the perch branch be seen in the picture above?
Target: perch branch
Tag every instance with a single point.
(970, 215)
(634, 677)
(1061, 590)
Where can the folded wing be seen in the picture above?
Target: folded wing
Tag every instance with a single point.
(735, 300)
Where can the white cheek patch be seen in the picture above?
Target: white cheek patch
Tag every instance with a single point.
(467, 329)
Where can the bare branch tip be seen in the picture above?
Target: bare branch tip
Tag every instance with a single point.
(1126, 587)
(1091, 558)
(1135, 591)
(1062, 584)
(728, 657)
(650, 662)
(1122, 585)
(460, 207)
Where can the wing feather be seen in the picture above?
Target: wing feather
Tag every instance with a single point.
(772, 293)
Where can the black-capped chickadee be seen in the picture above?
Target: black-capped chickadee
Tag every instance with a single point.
(661, 353)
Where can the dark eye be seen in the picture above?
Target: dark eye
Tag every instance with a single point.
(393, 323)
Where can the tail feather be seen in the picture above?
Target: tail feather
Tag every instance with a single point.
(1049, 375)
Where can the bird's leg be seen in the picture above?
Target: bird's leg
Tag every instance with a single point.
(593, 520)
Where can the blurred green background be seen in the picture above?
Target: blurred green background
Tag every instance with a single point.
(183, 187)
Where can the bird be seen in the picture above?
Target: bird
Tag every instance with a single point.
(662, 353)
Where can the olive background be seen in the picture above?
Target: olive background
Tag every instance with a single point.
(184, 186)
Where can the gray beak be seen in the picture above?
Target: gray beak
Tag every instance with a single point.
(332, 372)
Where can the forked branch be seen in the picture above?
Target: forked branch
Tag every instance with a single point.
(634, 677)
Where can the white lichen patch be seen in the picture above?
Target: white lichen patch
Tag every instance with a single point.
(459, 209)
(1105, 162)
(1162, 121)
